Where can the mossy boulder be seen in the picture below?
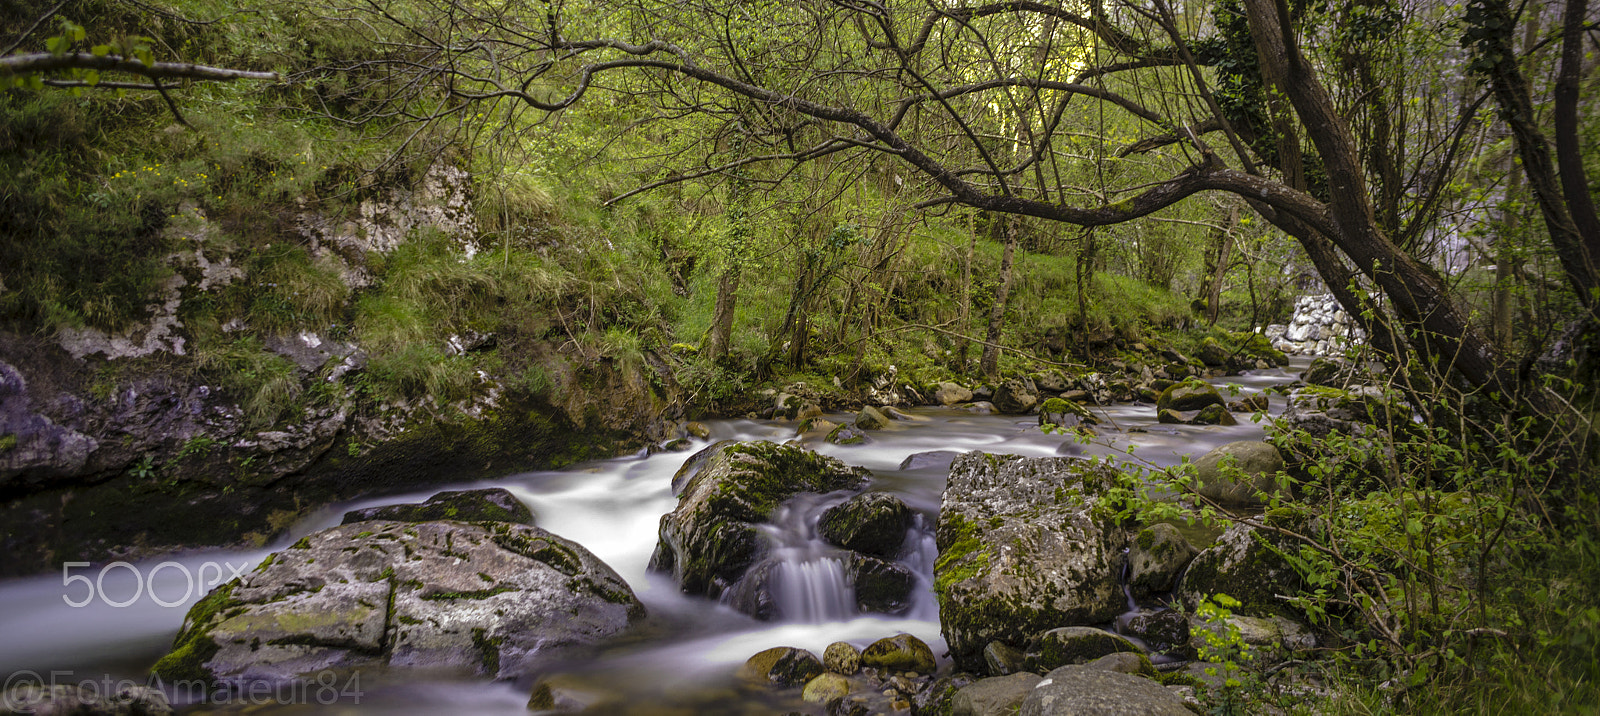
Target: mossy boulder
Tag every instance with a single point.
(1213, 353)
(1213, 415)
(872, 523)
(711, 538)
(1024, 546)
(1015, 397)
(881, 587)
(494, 504)
(1243, 564)
(1233, 473)
(1065, 413)
(782, 666)
(1156, 556)
(1075, 645)
(842, 657)
(901, 652)
(495, 599)
(948, 394)
(825, 688)
(1189, 395)
(848, 435)
(1165, 631)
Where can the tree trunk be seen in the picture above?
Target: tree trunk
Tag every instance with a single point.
(990, 363)
(722, 317)
(1217, 264)
(966, 292)
(1418, 297)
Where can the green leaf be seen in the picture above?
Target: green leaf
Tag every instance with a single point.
(100, 50)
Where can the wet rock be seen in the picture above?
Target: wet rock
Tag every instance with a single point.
(842, 657)
(1212, 353)
(1273, 638)
(72, 700)
(901, 415)
(782, 666)
(1189, 395)
(493, 504)
(698, 429)
(994, 696)
(1022, 549)
(881, 587)
(981, 407)
(493, 599)
(556, 694)
(1014, 397)
(929, 460)
(948, 394)
(1213, 415)
(1258, 464)
(1081, 691)
(816, 425)
(711, 538)
(1001, 659)
(871, 418)
(1171, 417)
(1334, 373)
(1243, 566)
(873, 523)
(935, 699)
(1125, 662)
(848, 435)
(1156, 556)
(1075, 645)
(902, 652)
(825, 688)
(1166, 631)
(1052, 382)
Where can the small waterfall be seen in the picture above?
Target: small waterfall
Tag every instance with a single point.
(813, 591)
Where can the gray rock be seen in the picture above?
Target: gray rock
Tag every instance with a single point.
(948, 394)
(495, 599)
(1082, 691)
(871, 418)
(1166, 631)
(981, 407)
(711, 538)
(994, 696)
(72, 700)
(929, 460)
(1272, 639)
(1258, 464)
(825, 688)
(935, 700)
(1075, 645)
(1156, 556)
(872, 523)
(494, 504)
(1002, 659)
(1213, 415)
(1124, 662)
(1022, 549)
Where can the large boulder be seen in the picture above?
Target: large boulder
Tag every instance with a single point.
(782, 666)
(1258, 464)
(871, 418)
(1065, 413)
(494, 599)
(1015, 397)
(901, 652)
(873, 523)
(494, 504)
(994, 696)
(1076, 645)
(1156, 556)
(1024, 547)
(948, 394)
(1189, 395)
(1085, 691)
(711, 539)
(1245, 565)
(881, 587)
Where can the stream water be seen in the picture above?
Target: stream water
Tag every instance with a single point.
(689, 647)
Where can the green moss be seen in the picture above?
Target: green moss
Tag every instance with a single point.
(1147, 539)
(194, 646)
(488, 650)
(473, 594)
(7, 442)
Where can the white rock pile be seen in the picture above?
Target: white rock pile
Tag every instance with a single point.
(1320, 327)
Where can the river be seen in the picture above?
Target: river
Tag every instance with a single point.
(689, 647)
